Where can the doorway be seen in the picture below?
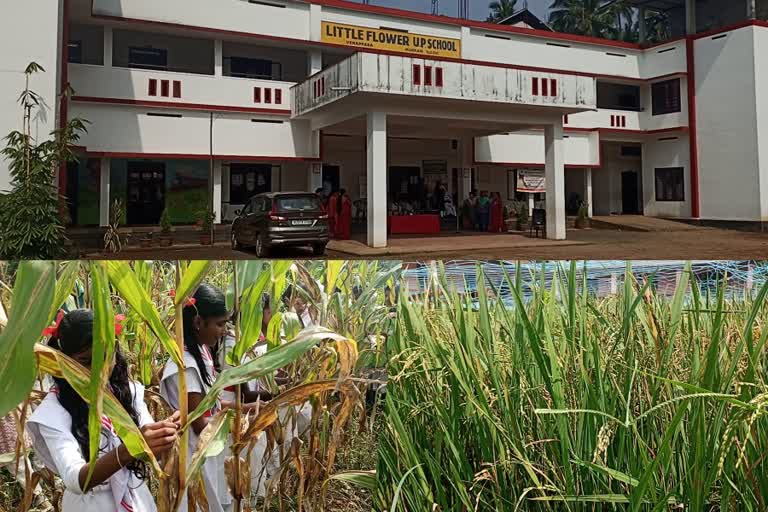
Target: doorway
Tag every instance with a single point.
(630, 193)
(146, 193)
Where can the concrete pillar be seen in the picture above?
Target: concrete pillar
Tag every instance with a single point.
(104, 200)
(315, 22)
(108, 43)
(531, 204)
(217, 191)
(377, 179)
(690, 17)
(642, 25)
(554, 174)
(588, 190)
(218, 57)
(751, 9)
(467, 168)
(315, 180)
(314, 62)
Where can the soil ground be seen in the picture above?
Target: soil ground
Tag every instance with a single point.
(594, 244)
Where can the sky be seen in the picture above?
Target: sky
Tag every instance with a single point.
(478, 8)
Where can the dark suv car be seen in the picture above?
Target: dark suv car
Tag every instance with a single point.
(281, 219)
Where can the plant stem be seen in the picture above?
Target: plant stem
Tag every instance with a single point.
(238, 401)
(183, 406)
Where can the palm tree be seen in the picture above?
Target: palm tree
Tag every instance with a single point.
(586, 17)
(658, 27)
(501, 9)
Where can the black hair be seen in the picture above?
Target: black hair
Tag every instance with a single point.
(209, 303)
(319, 191)
(75, 335)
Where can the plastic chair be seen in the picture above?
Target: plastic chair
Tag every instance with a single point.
(539, 222)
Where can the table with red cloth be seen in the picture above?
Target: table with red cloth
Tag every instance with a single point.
(413, 224)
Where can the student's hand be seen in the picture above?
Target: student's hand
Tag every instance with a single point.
(175, 418)
(160, 436)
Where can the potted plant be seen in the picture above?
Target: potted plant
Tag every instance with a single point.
(166, 238)
(205, 221)
(522, 215)
(582, 216)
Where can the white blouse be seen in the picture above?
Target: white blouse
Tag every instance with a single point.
(50, 428)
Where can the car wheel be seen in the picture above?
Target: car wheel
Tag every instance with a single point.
(261, 248)
(235, 244)
(318, 250)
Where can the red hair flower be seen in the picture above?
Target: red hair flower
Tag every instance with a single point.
(119, 324)
(53, 332)
(189, 302)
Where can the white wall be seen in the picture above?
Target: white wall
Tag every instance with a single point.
(727, 124)
(761, 85)
(606, 181)
(123, 129)
(30, 31)
(292, 20)
(133, 84)
(527, 148)
(666, 153)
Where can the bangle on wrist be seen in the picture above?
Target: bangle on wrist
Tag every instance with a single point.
(117, 456)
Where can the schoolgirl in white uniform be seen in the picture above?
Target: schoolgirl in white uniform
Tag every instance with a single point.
(59, 431)
(205, 324)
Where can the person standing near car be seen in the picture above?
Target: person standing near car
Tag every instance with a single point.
(333, 213)
(344, 222)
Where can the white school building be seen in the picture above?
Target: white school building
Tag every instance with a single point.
(185, 98)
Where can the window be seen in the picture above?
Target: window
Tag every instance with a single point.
(632, 151)
(75, 49)
(262, 69)
(148, 58)
(246, 181)
(618, 96)
(298, 204)
(670, 184)
(666, 97)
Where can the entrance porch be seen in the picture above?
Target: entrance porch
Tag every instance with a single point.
(379, 99)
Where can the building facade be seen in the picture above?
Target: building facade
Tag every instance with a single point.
(189, 98)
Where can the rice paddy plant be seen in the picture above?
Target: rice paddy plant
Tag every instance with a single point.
(567, 401)
(322, 322)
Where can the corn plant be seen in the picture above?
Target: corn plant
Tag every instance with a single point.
(566, 401)
(322, 361)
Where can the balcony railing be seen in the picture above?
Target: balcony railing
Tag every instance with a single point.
(185, 90)
(413, 76)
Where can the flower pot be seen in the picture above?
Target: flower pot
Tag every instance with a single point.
(165, 240)
(205, 239)
(582, 223)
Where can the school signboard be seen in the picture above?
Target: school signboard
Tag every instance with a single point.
(531, 181)
(390, 40)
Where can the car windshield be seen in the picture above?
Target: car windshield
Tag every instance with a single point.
(298, 204)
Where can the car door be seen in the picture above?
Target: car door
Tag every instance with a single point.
(265, 207)
(252, 220)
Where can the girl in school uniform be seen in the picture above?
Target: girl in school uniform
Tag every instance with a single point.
(205, 324)
(59, 431)
(205, 319)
